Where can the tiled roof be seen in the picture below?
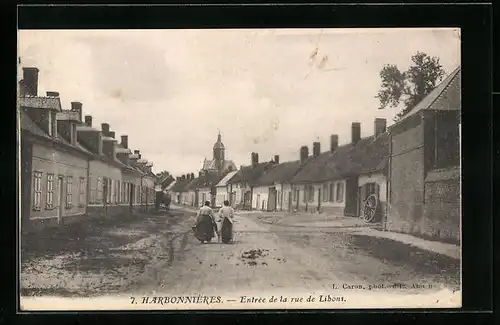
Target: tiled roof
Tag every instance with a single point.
(367, 155)
(167, 181)
(28, 125)
(180, 185)
(169, 187)
(453, 78)
(208, 180)
(40, 102)
(210, 165)
(249, 173)
(279, 173)
(226, 178)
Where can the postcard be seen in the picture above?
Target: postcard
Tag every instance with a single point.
(249, 169)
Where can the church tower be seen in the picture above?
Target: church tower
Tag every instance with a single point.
(219, 152)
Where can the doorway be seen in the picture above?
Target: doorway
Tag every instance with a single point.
(60, 198)
(132, 198)
(351, 197)
(271, 203)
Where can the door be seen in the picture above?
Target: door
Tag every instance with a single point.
(105, 190)
(290, 201)
(271, 203)
(351, 197)
(61, 199)
(319, 199)
(132, 198)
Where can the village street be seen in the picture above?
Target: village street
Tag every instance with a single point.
(157, 254)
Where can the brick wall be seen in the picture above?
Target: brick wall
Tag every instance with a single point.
(442, 205)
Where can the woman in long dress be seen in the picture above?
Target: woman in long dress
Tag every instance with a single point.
(226, 218)
(205, 227)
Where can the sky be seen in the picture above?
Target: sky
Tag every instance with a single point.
(268, 91)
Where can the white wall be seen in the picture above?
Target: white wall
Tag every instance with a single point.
(379, 179)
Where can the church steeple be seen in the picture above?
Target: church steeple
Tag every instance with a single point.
(219, 152)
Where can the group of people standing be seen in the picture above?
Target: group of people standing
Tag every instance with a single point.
(207, 225)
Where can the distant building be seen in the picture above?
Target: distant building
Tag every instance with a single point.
(219, 164)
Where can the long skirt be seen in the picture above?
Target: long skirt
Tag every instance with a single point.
(226, 231)
(204, 229)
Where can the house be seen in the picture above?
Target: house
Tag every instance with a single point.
(219, 164)
(272, 191)
(222, 190)
(71, 171)
(424, 165)
(179, 190)
(240, 184)
(53, 166)
(206, 187)
(192, 193)
(339, 180)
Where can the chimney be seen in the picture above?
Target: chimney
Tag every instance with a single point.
(304, 154)
(355, 132)
(30, 81)
(192, 175)
(112, 134)
(52, 94)
(136, 152)
(124, 141)
(255, 159)
(316, 149)
(199, 174)
(88, 120)
(334, 142)
(379, 126)
(183, 177)
(105, 129)
(77, 107)
(277, 159)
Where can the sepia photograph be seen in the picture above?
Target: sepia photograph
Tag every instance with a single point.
(245, 169)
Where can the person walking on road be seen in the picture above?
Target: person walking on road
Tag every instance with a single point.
(226, 219)
(205, 224)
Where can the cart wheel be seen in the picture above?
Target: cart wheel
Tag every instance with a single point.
(370, 208)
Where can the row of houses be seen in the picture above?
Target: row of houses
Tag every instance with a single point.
(406, 176)
(70, 170)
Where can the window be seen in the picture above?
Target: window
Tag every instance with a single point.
(114, 189)
(93, 190)
(37, 186)
(81, 198)
(340, 192)
(99, 190)
(109, 189)
(49, 203)
(69, 192)
(331, 197)
(295, 195)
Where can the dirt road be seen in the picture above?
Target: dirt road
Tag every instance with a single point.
(158, 255)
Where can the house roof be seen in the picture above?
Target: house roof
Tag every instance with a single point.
(209, 180)
(181, 185)
(223, 182)
(53, 103)
(249, 173)
(171, 185)
(279, 173)
(367, 155)
(453, 78)
(28, 125)
(210, 165)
